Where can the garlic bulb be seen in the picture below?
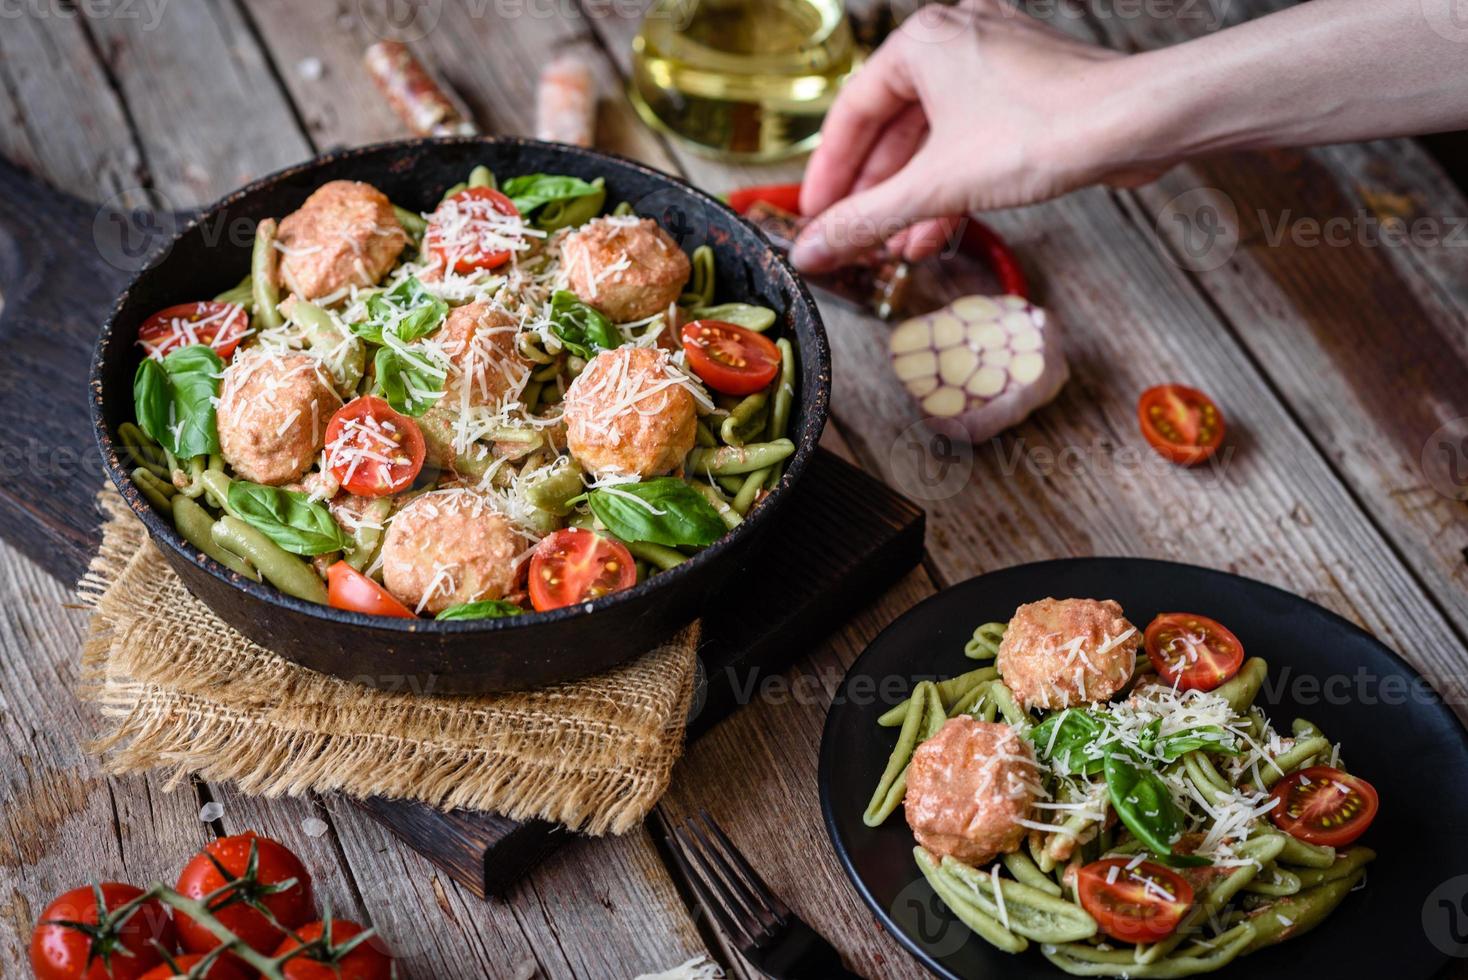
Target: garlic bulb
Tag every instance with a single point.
(986, 361)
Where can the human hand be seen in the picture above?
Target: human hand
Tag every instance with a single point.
(963, 109)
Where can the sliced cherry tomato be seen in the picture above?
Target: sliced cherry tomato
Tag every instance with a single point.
(786, 197)
(220, 969)
(1135, 905)
(1181, 423)
(729, 358)
(59, 951)
(574, 565)
(367, 961)
(274, 865)
(220, 325)
(1192, 652)
(1321, 805)
(474, 229)
(372, 450)
(347, 588)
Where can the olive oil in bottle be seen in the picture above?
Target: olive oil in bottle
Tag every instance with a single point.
(741, 79)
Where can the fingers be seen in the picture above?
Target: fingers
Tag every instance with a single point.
(897, 145)
(870, 100)
(866, 219)
(926, 238)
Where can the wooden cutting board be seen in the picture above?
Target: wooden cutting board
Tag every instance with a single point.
(844, 536)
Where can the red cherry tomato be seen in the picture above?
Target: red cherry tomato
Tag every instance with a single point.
(786, 197)
(1321, 805)
(368, 961)
(347, 588)
(1135, 905)
(220, 969)
(275, 865)
(573, 565)
(1191, 652)
(1181, 423)
(729, 358)
(220, 325)
(372, 450)
(61, 952)
(469, 231)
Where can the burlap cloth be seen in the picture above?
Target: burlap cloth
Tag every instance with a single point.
(181, 691)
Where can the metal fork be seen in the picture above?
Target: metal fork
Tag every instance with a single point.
(767, 934)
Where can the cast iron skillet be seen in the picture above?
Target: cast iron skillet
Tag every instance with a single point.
(1394, 730)
(211, 254)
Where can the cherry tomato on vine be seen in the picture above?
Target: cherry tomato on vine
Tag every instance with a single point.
(1321, 805)
(1181, 423)
(273, 865)
(1135, 905)
(1192, 652)
(368, 960)
(730, 359)
(574, 565)
(73, 941)
(220, 969)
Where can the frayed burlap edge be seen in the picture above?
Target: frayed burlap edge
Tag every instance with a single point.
(184, 693)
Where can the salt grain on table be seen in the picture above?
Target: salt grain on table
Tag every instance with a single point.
(211, 812)
(313, 826)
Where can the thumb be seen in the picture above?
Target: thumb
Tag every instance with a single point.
(864, 221)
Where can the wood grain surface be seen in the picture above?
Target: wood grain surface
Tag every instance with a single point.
(1336, 364)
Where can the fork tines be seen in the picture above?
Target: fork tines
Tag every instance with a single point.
(731, 891)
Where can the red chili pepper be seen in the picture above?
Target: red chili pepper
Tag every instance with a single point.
(978, 238)
(786, 197)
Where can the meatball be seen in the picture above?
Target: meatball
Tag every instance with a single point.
(449, 547)
(1060, 652)
(968, 788)
(346, 234)
(630, 413)
(273, 410)
(628, 268)
(479, 340)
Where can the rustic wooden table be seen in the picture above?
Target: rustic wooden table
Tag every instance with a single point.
(1336, 344)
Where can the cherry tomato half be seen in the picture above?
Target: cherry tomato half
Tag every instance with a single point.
(347, 588)
(786, 197)
(730, 359)
(1135, 905)
(574, 565)
(372, 450)
(470, 230)
(275, 864)
(368, 961)
(220, 325)
(60, 952)
(220, 969)
(1191, 652)
(1181, 423)
(1321, 805)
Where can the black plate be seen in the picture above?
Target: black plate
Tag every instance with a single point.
(212, 252)
(1393, 730)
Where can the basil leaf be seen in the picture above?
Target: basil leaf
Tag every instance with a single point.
(292, 520)
(572, 211)
(1142, 802)
(1067, 742)
(408, 310)
(583, 330)
(483, 609)
(529, 191)
(408, 380)
(174, 400)
(1204, 738)
(665, 511)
